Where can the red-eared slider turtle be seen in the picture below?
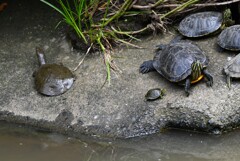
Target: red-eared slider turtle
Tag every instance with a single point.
(155, 93)
(232, 69)
(201, 24)
(230, 38)
(52, 79)
(182, 62)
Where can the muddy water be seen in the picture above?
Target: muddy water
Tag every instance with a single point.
(23, 144)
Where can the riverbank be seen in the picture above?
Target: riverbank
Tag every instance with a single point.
(115, 110)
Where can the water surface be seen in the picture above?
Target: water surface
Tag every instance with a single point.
(19, 143)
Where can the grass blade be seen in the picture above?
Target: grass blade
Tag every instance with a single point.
(54, 7)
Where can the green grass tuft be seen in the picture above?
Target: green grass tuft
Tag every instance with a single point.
(92, 21)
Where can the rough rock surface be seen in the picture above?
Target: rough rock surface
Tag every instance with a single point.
(116, 110)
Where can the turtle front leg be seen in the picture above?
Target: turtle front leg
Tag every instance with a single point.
(209, 77)
(146, 67)
(187, 86)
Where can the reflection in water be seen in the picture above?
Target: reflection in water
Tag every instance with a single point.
(24, 144)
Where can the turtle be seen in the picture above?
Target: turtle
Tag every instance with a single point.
(181, 62)
(201, 24)
(232, 69)
(52, 79)
(154, 94)
(230, 38)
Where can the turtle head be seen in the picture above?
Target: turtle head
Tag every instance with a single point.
(40, 55)
(196, 74)
(227, 18)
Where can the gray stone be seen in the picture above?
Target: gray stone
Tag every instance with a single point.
(115, 110)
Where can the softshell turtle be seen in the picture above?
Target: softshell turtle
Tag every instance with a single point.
(232, 69)
(52, 79)
(201, 24)
(179, 61)
(230, 38)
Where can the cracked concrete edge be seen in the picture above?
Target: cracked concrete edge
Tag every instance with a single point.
(140, 127)
(63, 124)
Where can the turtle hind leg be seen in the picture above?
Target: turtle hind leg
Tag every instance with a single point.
(146, 67)
(187, 86)
(209, 77)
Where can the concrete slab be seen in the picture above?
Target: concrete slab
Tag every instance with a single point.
(116, 110)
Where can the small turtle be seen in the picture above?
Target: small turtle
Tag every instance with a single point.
(201, 24)
(182, 62)
(230, 38)
(52, 79)
(154, 94)
(232, 69)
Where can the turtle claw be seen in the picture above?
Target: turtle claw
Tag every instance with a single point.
(209, 83)
(146, 67)
(143, 70)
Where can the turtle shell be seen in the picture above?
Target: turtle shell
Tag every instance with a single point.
(230, 38)
(53, 79)
(175, 60)
(201, 24)
(232, 68)
(155, 93)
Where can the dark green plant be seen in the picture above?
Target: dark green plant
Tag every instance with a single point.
(91, 29)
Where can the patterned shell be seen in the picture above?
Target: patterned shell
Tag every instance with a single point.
(200, 24)
(230, 38)
(232, 68)
(175, 60)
